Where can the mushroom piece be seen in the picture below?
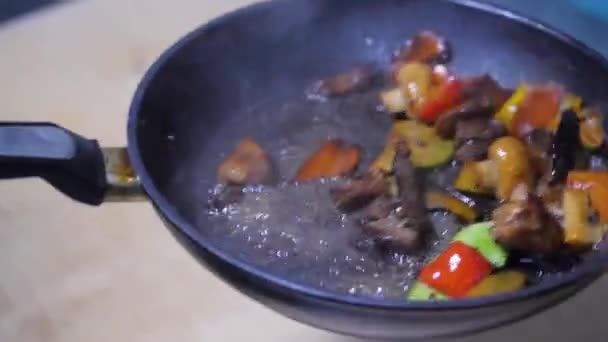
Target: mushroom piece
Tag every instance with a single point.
(512, 165)
(508, 166)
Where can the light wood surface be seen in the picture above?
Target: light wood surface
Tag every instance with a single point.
(75, 273)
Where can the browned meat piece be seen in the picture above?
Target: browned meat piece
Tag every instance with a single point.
(552, 196)
(381, 207)
(472, 150)
(410, 182)
(527, 226)
(479, 128)
(486, 86)
(344, 83)
(396, 233)
(538, 144)
(474, 136)
(494, 130)
(471, 128)
(359, 192)
(401, 222)
(482, 96)
(248, 164)
(424, 47)
(482, 107)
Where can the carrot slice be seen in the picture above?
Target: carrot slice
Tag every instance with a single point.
(334, 158)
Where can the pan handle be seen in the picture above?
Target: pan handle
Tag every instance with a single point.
(71, 163)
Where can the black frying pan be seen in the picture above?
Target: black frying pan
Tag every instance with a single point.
(229, 79)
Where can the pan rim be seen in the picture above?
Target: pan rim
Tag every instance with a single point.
(589, 269)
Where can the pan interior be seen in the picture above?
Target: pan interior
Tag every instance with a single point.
(248, 75)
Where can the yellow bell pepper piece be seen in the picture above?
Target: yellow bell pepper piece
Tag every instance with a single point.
(477, 177)
(571, 102)
(507, 112)
(596, 185)
(501, 282)
(580, 234)
(440, 200)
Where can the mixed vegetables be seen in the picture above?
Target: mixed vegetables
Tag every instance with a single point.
(526, 149)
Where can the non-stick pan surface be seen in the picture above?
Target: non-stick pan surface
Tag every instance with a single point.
(232, 78)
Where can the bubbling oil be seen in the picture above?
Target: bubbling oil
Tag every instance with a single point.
(294, 231)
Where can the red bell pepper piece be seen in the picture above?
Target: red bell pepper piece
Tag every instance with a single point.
(456, 271)
(448, 96)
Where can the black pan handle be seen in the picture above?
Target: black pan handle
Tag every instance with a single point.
(71, 163)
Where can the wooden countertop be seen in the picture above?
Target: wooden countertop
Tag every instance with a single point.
(74, 273)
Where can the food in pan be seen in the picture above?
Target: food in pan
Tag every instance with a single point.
(524, 196)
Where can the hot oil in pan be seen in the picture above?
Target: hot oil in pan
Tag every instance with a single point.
(294, 230)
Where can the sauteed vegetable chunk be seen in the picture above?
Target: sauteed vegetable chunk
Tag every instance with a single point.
(247, 165)
(334, 158)
(515, 168)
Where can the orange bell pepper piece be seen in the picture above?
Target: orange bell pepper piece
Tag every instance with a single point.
(539, 109)
(596, 183)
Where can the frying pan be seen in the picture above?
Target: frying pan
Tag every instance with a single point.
(183, 117)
